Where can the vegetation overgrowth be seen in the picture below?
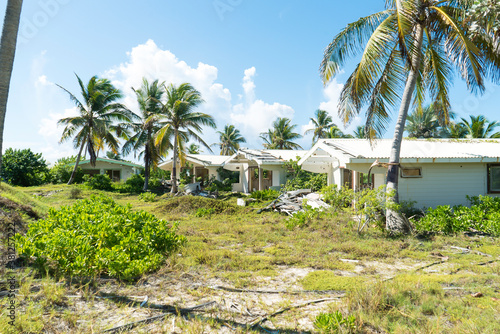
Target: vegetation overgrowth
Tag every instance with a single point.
(236, 247)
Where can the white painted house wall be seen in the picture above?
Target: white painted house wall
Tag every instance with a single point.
(440, 184)
(102, 167)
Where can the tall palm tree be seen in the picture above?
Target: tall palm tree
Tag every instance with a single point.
(230, 140)
(322, 124)
(94, 126)
(281, 136)
(142, 141)
(423, 123)
(7, 52)
(180, 121)
(455, 130)
(480, 127)
(412, 49)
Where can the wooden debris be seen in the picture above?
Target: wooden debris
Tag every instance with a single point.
(291, 202)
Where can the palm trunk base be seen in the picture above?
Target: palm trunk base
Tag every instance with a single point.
(396, 223)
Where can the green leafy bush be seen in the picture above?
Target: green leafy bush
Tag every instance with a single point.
(147, 197)
(133, 184)
(483, 215)
(297, 178)
(216, 185)
(303, 218)
(61, 172)
(203, 212)
(98, 182)
(265, 195)
(24, 168)
(98, 236)
(335, 323)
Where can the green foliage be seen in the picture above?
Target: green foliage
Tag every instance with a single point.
(75, 193)
(98, 236)
(338, 198)
(24, 168)
(265, 195)
(303, 217)
(483, 215)
(233, 176)
(61, 172)
(335, 323)
(133, 184)
(98, 182)
(297, 178)
(216, 185)
(148, 197)
(203, 212)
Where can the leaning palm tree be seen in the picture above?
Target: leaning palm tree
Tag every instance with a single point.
(229, 140)
(412, 49)
(281, 136)
(479, 127)
(423, 123)
(322, 124)
(94, 127)
(7, 53)
(142, 141)
(180, 122)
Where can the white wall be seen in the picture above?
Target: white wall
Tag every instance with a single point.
(440, 184)
(102, 166)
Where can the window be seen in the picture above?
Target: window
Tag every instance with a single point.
(493, 178)
(407, 172)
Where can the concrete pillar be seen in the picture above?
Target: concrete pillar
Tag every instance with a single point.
(261, 177)
(355, 180)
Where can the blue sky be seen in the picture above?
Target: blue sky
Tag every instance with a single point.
(253, 61)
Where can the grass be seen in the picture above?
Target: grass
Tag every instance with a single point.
(236, 247)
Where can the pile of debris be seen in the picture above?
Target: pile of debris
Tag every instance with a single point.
(291, 202)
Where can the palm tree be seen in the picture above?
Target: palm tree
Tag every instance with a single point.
(193, 149)
(230, 140)
(147, 125)
(94, 127)
(423, 123)
(412, 48)
(455, 130)
(479, 127)
(7, 53)
(180, 121)
(322, 124)
(335, 132)
(360, 132)
(281, 136)
(113, 156)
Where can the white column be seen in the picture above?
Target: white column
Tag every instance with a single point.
(355, 180)
(261, 176)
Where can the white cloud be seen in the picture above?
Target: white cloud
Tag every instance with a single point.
(332, 95)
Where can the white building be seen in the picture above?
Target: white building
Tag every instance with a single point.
(433, 171)
(117, 170)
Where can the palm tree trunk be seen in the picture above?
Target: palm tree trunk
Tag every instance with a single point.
(7, 53)
(174, 166)
(72, 177)
(395, 223)
(147, 166)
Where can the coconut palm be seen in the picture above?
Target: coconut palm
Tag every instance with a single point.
(180, 122)
(142, 140)
(281, 136)
(230, 140)
(93, 127)
(454, 130)
(360, 132)
(193, 149)
(412, 49)
(335, 132)
(7, 53)
(480, 127)
(322, 124)
(423, 123)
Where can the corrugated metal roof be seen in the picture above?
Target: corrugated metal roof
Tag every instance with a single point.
(417, 148)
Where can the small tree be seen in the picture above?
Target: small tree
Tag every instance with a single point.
(61, 172)
(24, 168)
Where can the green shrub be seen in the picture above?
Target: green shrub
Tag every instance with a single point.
(335, 323)
(303, 217)
(216, 185)
(133, 185)
(61, 172)
(24, 168)
(203, 212)
(483, 215)
(265, 195)
(297, 178)
(75, 193)
(147, 197)
(98, 182)
(98, 236)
